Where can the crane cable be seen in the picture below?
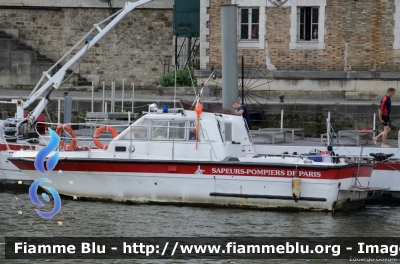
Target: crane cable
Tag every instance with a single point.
(80, 60)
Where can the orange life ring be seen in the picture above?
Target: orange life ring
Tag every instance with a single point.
(99, 131)
(72, 134)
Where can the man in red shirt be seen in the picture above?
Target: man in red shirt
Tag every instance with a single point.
(384, 116)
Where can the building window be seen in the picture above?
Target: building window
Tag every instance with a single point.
(249, 23)
(308, 24)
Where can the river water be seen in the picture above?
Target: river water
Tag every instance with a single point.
(91, 218)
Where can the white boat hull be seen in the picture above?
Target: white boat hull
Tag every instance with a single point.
(8, 171)
(200, 189)
(386, 175)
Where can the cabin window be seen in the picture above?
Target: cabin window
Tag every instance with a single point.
(138, 131)
(177, 130)
(168, 130)
(228, 131)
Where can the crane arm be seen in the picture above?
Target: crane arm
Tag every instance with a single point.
(56, 80)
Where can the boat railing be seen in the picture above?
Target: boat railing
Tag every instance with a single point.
(212, 151)
(248, 132)
(92, 126)
(320, 158)
(13, 140)
(86, 142)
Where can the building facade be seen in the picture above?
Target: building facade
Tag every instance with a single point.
(347, 47)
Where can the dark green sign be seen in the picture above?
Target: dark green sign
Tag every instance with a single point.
(187, 18)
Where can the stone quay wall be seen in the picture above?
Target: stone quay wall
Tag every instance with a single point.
(132, 50)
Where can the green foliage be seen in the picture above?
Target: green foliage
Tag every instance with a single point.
(182, 78)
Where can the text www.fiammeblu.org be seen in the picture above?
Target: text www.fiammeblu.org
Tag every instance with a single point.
(234, 248)
(229, 248)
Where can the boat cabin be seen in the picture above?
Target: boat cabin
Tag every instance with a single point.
(173, 135)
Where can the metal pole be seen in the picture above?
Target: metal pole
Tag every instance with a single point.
(123, 94)
(229, 13)
(328, 129)
(59, 110)
(112, 97)
(129, 117)
(173, 146)
(130, 139)
(374, 126)
(175, 91)
(176, 51)
(104, 88)
(358, 167)
(67, 109)
(242, 80)
(133, 98)
(398, 139)
(282, 120)
(92, 97)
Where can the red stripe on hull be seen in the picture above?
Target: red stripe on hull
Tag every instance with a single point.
(387, 166)
(204, 168)
(3, 147)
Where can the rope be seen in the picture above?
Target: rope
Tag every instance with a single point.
(128, 104)
(80, 61)
(385, 163)
(48, 115)
(191, 79)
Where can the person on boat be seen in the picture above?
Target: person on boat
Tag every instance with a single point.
(192, 134)
(242, 110)
(384, 116)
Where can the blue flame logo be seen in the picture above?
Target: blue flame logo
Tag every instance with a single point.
(35, 198)
(41, 156)
(50, 164)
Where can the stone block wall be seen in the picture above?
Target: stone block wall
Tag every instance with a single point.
(133, 50)
(19, 68)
